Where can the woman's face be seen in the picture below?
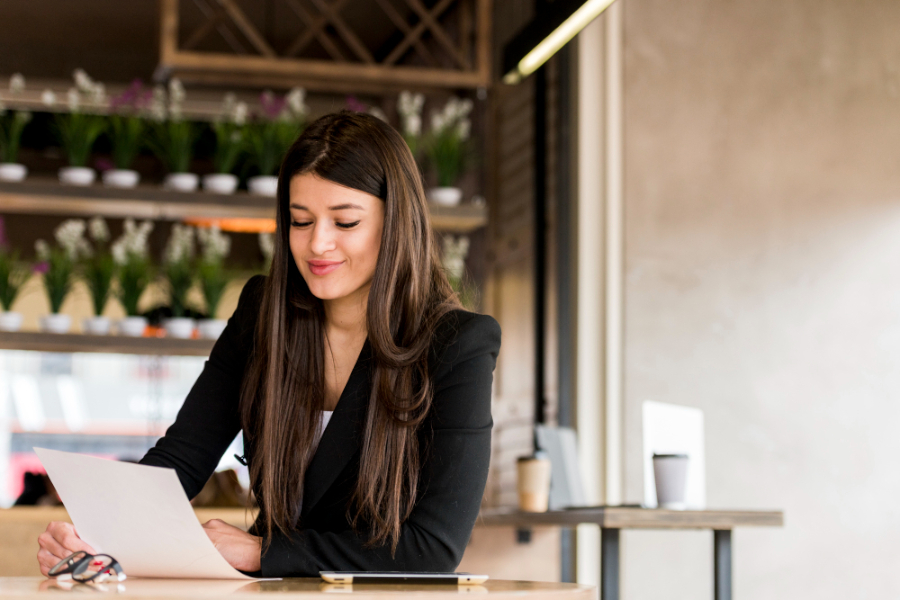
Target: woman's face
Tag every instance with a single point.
(335, 236)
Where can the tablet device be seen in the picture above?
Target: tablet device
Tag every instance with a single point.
(401, 577)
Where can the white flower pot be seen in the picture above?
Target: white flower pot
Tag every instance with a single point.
(10, 321)
(132, 326)
(121, 178)
(57, 323)
(182, 182)
(211, 329)
(180, 327)
(220, 183)
(77, 175)
(96, 325)
(12, 172)
(445, 196)
(263, 185)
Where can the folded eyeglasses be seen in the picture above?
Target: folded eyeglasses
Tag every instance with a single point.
(88, 568)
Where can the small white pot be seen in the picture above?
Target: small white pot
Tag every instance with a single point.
(96, 325)
(10, 321)
(445, 196)
(211, 329)
(121, 178)
(263, 185)
(77, 175)
(57, 323)
(182, 182)
(180, 327)
(132, 326)
(12, 172)
(220, 183)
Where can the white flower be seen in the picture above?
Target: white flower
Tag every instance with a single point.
(132, 243)
(214, 243)
(17, 83)
(176, 90)
(82, 80)
(228, 102)
(454, 256)
(438, 122)
(463, 129)
(158, 104)
(296, 102)
(378, 113)
(412, 125)
(73, 100)
(48, 98)
(70, 236)
(180, 246)
(98, 93)
(42, 249)
(410, 104)
(98, 230)
(239, 114)
(267, 245)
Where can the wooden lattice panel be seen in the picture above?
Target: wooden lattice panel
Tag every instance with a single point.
(336, 45)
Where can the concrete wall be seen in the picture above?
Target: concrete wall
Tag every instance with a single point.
(762, 151)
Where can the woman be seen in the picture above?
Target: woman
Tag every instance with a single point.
(356, 317)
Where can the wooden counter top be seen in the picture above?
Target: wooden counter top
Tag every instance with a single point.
(27, 588)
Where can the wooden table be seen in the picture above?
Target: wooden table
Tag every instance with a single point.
(612, 519)
(39, 588)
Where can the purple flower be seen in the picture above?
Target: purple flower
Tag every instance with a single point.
(134, 97)
(354, 104)
(272, 105)
(103, 164)
(41, 267)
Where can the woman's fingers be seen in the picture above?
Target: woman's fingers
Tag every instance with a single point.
(65, 534)
(57, 542)
(47, 561)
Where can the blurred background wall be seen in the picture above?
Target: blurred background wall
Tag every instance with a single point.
(762, 153)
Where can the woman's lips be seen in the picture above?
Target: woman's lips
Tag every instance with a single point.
(323, 267)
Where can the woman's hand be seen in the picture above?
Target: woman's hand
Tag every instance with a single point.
(239, 548)
(56, 543)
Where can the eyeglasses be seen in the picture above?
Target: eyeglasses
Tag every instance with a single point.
(88, 568)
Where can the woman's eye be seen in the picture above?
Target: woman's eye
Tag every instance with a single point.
(347, 225)
(300, 223)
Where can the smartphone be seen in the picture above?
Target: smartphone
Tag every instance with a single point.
(401, 577)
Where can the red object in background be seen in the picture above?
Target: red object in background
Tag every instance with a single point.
(19, 464)
(23, 462)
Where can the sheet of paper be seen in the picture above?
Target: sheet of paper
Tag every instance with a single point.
(140, 515)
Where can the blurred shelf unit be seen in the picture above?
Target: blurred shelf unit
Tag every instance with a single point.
(110, 344)
(38, 196)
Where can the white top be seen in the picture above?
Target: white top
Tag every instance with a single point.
(323, 423)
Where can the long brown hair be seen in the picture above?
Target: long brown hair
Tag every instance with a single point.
(284, 387)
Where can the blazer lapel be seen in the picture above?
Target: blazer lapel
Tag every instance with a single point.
(341, 438)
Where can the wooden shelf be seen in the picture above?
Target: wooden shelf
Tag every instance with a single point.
(110, 344)
(38, 196)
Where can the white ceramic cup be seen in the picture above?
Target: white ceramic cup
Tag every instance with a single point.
(211, 329)
(121, 178)
(96, 325)
(10, 321)
(263, 185)
(56, 323)
(445, 196)
(132, 326)
(670, 475)
(182, 182)
(220, 183)
(81, 176)
(12, 172)
(533, 483)
(180, 327)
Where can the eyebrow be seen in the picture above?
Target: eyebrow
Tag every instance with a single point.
(337, 207)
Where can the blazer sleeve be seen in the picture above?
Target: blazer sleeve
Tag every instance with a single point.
(454, 474)
(209, 419)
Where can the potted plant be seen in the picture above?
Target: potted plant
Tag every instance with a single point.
(58, 269)
(173, 140)
(230, 130)
(277, 126)
(97, 270)
(12, 124)
(447, 148)
(453, 259)
(409, 106)
(178, 270)
(13, 275)
(78, 130)
(132, 257)
(213, 278)
(126, 128)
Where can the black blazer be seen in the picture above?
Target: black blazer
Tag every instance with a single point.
(455, 443)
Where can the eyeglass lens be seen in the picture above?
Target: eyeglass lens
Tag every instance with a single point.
(68, 564)
(95, 569)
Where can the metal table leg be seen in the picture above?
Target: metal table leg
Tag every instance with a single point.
(722, 563)
(609, 564)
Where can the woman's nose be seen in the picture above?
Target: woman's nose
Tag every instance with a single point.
(322, 239)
